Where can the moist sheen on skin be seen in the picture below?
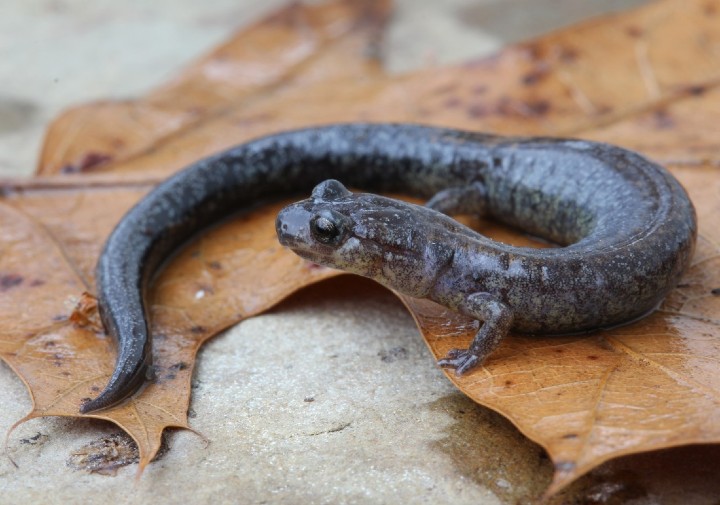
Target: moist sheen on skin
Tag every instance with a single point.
(627, 226)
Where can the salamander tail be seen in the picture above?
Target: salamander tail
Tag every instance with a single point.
(129, 376)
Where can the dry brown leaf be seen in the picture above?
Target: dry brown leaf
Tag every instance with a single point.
(294, 47)
(196, 297)
(646, 79)
(587, 399)
(572, 82)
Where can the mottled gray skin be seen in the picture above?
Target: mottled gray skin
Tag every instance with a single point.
(627, 226)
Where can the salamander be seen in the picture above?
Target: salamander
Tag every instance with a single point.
(625, 228)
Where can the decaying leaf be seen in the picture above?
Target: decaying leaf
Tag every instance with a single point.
(105, 455)
(647, 80)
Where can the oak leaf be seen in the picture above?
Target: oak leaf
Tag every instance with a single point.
(647, 80)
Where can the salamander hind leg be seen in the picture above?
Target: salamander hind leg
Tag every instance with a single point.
(470, 200)
(497, 319)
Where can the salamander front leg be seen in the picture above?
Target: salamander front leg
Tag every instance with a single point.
(497, 319)
(470, 200)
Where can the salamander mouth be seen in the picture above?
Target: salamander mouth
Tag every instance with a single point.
(313, 257)
(303, 250)
(289, 241)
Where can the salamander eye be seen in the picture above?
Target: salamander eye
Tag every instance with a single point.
(326, 230)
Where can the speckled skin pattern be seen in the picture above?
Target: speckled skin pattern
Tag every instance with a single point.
(626, 226)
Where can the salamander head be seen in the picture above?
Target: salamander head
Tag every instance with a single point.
(361, 233)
